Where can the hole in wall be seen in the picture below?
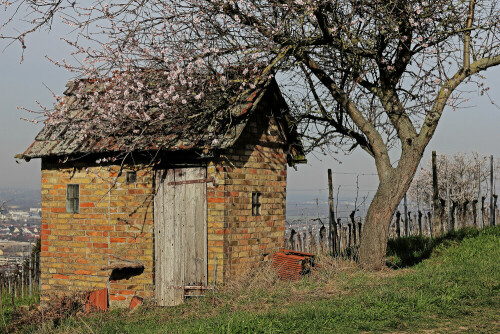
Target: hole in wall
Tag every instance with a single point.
(125, 273)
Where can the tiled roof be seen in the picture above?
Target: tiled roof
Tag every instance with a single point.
(191, 130)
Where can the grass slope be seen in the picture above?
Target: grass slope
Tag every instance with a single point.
(457, 289)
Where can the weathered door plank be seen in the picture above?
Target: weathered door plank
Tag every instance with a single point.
(180, 233)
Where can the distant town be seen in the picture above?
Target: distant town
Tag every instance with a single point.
(20, 225)
(20, 220)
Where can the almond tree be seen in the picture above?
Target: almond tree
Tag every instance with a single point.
(375, 74)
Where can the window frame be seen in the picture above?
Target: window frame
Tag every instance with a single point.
(73, 198)
(131, 176)
(256, 203)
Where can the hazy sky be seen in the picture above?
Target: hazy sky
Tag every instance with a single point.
(473, 129)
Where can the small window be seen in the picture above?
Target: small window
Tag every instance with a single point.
(256, 196)
(131, 177)
(73, 198)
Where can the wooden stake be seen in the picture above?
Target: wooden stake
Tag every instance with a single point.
(452, 214)
(492, 206)
(398, 222)
(22, 277)
(349, 226)
(435, 196)
(420, 222)
(407, 232)
(360, 225)
(353, 228)
(31, 274)
(338, 235)
(448, 213)
(427, 222)
(483, 211)
(331, 216)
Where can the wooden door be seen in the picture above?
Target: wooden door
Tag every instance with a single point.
(180, 210)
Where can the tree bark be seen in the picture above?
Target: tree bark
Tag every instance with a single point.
(375, 232)
(378, 218)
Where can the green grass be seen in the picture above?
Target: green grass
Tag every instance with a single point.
(407, 251)
(456, 289)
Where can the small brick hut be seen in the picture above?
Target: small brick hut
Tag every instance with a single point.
(185, 208)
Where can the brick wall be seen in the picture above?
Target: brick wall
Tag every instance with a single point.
(256, 163)
(115, 224)
(217, 226)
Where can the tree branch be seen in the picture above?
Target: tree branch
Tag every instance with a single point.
(432, 118)
(375, 140)
(470, 19)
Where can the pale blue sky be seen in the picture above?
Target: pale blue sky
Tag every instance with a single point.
(472, 129)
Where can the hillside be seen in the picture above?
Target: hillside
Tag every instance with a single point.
(457, 289)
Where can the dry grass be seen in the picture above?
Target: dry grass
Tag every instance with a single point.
(260, 290)
(57, 310)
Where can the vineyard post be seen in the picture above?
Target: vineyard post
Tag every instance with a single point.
(495, 198)
(430, 214)
(480, 214)
(360, 226)
(353, 228)
(331, 216)
(483, 211)
(338, 235)
(436, 205)
(448, 214)
(8, 271)
(492, 207)
(22, 277)
(349, 228)
(31, 273)
(398, 224)
(406, 216)
(420, 222)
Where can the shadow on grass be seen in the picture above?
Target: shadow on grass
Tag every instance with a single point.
(408, 251)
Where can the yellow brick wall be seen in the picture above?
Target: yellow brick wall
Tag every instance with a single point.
(115, 224)
(216, 223)
(256, 163)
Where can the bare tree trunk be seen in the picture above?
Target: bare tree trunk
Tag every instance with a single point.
(393, 185)
(376, 228)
